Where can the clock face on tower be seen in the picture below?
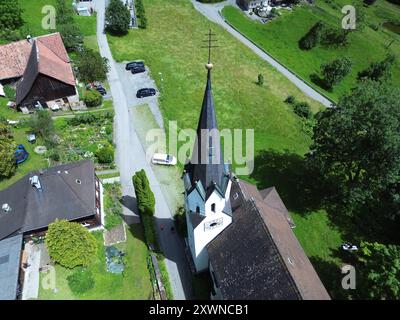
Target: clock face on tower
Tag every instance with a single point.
(213, 224)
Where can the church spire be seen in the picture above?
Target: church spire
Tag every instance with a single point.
(206, 164)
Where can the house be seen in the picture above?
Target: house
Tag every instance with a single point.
(71, 192)
(40, 69)
(242, 236)
(250, 4)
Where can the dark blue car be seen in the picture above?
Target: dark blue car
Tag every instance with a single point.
(20, 154)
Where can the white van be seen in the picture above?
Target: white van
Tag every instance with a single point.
(161, 158)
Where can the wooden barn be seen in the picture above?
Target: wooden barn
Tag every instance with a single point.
(48, 76)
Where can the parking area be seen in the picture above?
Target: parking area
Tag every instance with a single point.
(131, 83)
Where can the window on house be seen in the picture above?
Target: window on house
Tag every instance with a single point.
(197, 209)
(213, 207)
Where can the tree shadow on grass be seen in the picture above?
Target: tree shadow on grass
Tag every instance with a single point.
(320, 82)
(302, 188)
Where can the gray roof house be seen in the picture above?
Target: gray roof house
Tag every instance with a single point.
(69, 191)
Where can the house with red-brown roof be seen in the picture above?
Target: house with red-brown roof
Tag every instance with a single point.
(41, 70)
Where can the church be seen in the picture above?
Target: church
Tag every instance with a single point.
(241, 235)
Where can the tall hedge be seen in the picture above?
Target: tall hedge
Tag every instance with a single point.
(144, 196)
(70, 244)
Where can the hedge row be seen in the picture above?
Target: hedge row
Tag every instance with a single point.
(144, 195)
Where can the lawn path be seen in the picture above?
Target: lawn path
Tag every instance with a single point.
(212, 12)
(131, 157)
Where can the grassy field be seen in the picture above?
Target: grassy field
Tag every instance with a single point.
(176, 53)
(280, 38)
(240, 103)
(134, 284)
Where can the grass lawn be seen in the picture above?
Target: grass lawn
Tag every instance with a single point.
(280, 38)
(134, 284)
(176, 53)
(33, 16)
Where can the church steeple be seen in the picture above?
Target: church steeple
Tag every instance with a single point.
(206, 164)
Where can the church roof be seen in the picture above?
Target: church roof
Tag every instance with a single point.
(258, 256)
(206, 164)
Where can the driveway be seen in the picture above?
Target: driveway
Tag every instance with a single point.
(130, 157)
(212, 12)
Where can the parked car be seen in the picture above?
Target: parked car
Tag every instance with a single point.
(146, 92)
(20, 154)
(134, 64)
(349, 247)
(102, 90)
(166, 159)
(138, 69)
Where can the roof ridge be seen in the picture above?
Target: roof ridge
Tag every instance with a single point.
(55, 53)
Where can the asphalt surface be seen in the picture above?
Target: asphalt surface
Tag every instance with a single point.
(212, 12)
(130, 157)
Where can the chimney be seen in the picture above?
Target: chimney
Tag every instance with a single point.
(35, 182)
(6, 207)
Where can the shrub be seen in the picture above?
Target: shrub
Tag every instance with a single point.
(335, 71)
(7, 148)
(81, 281)
(313, 37)
(93, 98)
(260, 79)
(55, 155)
(10, 93)
(290, 99)
(141, 14)
(144, 195)
(303, 110)
(70, 244)
(105, 154)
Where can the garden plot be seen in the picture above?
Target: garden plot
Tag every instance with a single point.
(87, 136)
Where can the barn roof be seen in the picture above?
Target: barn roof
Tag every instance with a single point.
(47, 58)
(14, 56)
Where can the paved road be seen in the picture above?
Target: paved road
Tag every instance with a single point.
(130, 157)
(212, 12)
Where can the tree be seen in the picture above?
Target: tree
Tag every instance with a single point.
(357, 143)
(10, 15)
(379, 274)
(42, 123)
(118, 17)
(105, 154)
(91, 65)
(335, 71)
(93, 98)
(71, 35)
(260, 79)
(65, 13)
(334, 37)
(70, 244)
(303, 109)
(312, 37)
(7, 149)
(377, 71)
(144, 195)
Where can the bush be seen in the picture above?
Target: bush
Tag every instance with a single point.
(303, 110)
(93, 98)
(70, 244)
(10, 93)
(313, 37)
(144, 196)
(260, 79)
(7, 148)
(81, 281)
(290, 99)
(55, 155)
(141, 14)
(105, 154)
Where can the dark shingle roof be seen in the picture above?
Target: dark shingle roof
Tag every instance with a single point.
(213, 173)
(61, 197)
(258, 256)
(10, 254)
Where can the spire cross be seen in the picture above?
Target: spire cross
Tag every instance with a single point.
(210, 45)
